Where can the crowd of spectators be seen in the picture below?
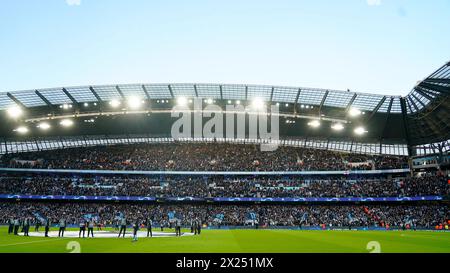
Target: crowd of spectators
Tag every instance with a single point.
(424, 216)
(201, 157)
(220, 186)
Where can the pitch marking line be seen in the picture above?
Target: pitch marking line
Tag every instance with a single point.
(23, 243)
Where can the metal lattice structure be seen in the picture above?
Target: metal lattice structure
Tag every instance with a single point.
(427, 109)
(420, 118)
(103, 93)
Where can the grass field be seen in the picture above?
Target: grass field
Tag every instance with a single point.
(242, 241)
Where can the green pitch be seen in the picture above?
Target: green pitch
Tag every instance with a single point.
(238, 241)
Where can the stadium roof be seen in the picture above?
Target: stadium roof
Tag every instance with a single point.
(420, 117)
(300, 95)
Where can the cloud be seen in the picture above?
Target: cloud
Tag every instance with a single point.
(73, 2)
(373, 2)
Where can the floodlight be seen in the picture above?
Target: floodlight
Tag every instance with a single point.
(353, 112)
(66, 123)
(182, 101)
(360, 130)
(15, 111)
(114, 103)
(134, 102)
(314, 123)
(337, 126)
(257, 103)
(22, 130)
(44, 126)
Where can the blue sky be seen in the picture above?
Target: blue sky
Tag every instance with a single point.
(378, 46)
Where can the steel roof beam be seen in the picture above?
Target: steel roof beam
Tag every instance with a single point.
(145, 91)
(390, 105)
(195, 91)
(423, 104)
(171, 91)
(18, 102)
(323, 100)
(435, 87)
(350, 103)
(432, 93)
(296, 100)
(120, 92)
(43, 98)
(405, 124)
(424, 93)
(95, 94)
(376, 108)
(410, 101)
(433, 80)
(388, 114)
(271, 93)
(221, 92)
(74, 101)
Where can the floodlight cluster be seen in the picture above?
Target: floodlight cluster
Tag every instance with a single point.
(135, 103)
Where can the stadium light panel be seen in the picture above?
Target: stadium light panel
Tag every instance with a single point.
(354, 112)
(22, 130)
(15, 111)
(134, 102)
(182, 101)
(44, 126)
(337, 126)
(114, 103)
(314, 123)
(257, 103)
(209, 101)
(66, 123)
(360, 130)
(238, 102)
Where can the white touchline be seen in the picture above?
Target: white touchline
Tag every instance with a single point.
(23, 243)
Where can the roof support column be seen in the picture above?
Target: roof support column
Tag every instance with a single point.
(405, 125)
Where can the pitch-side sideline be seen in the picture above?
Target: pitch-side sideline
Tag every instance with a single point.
(106, 234)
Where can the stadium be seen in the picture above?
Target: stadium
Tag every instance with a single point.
(349, 172)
